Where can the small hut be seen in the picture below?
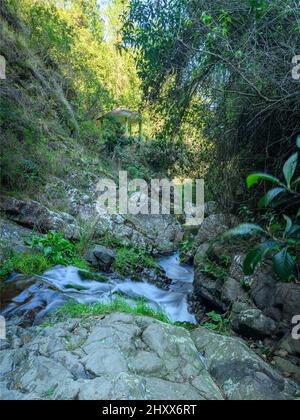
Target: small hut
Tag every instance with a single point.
(128, 119)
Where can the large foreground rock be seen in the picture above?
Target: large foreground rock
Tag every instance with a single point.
(120, 357)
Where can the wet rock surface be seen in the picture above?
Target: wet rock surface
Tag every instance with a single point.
(123, 356)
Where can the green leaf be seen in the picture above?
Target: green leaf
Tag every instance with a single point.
(270, 196)
(295, 183)
(255, 256)
(298, 214)
(244, 229)
(294, 230)
(298, 141)
(275, 227)
(290, 168)
(254, 179)
(289, 224)
(284, 264)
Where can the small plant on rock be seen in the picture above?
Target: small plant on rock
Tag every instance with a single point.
(131, 260)
(217, 323)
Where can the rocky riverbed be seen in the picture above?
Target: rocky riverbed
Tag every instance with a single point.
(123, 356)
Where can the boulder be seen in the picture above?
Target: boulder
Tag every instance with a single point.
(32, 214)
(253, 323)
(288, 368)
(208, 291)
(14, 235)
(232, 292)
(240, 373)
(120, 356)
(129, 357)
(287, 299)
(101, 258)
(214, 226)
(210, 208)
(201, 254)
(290, 345)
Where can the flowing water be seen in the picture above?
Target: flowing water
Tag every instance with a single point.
(46, 294)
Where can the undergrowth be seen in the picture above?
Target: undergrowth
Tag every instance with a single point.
(118, 304)
(28, 264)
(129, 259)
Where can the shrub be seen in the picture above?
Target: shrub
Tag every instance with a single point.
(281, 238)
(57, 250)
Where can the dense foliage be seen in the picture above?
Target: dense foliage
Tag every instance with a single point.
(281, 238)
(63, 70)
(229, 62)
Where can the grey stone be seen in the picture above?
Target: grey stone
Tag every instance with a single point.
(290, 345)
(232, 292)
(209, 290)
(201, 254)
(147, 363)
(101, 258)
(253, 323)
(240, 373)
(128, 357)
(105, 361)
(158, 389)
(32, 214)
(288, 368)
(287, 298)
(42, 376)
(214, 226)
(210, 208)
(8, 395)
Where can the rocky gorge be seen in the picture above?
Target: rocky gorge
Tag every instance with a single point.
(73, 358)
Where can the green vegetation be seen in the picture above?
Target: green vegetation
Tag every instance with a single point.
(281, 239)
(217, 323)
(57, 250)
(47, 251)
(61, 75)
(29, 264)
(132, 260)
(118, 304)
(218, 74)
(217, 268)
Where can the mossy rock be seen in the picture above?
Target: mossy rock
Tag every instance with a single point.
(75, 287)
(87, 275)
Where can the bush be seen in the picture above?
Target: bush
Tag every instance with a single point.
(281, 235)
(57, 250)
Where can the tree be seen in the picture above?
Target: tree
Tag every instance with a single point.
(237, 56)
